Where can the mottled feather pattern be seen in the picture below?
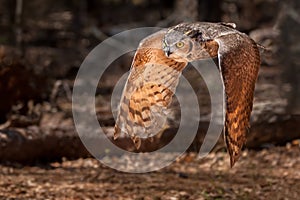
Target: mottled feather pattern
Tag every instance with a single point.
(239, 62)
(239, 70)
(148, 92)
(154, 77)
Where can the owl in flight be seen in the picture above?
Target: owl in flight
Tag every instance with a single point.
(158, 64)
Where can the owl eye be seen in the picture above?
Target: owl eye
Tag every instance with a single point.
(179, 44)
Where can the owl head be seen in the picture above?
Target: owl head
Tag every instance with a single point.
(187, 45)
(177, 45)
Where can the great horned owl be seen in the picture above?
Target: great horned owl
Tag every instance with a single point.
(158, 64)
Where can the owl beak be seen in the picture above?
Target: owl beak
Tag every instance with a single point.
(167, 51)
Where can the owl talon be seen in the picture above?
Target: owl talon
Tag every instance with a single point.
(116, 132)
(151, 139)
(137, 141)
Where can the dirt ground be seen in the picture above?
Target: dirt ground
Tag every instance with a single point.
(56, 43)
(272, 173)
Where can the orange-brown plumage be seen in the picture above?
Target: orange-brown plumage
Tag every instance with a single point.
(149, 90)
(158, 64)
(239, 71)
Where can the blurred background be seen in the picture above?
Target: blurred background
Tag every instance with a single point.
(43, 43)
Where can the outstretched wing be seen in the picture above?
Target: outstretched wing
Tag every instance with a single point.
(239, 61)
(148, 92)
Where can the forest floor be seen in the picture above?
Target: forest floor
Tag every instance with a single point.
(272, 173)
(269, 173)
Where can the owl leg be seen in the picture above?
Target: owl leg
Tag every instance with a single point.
(136, 141)
(151, 139)
(116, 132)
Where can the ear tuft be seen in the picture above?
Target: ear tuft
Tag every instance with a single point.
(195, 34)
(230, 25)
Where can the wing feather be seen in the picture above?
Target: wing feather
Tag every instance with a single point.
(239, 61)
(148, 92)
